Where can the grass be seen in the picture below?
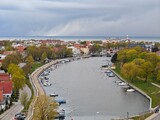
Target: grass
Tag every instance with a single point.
(35, 66)
(141, 117)
(147, 87)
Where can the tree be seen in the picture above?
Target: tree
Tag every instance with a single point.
(13, 58)
(18, 80)
(24, 99)
(114, 58)
(147, 68)
(138, 61)
(122, 56)
(131, 55)
(158, 76)
(43, 57)
(18, 76)
(45, 108)
(30, 60)
(130, 71)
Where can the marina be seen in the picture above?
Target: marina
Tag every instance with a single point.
(71, 81)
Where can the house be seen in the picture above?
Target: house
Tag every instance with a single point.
(20, 48)
(7, 88)
(75, 50)
(2, 101)
(4, 77)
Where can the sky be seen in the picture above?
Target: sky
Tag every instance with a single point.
(79, 17)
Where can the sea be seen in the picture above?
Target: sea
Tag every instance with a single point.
(82, 38)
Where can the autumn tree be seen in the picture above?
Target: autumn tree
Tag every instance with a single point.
(45, 108)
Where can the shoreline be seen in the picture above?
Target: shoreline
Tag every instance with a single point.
(34, 78)
(136, 88)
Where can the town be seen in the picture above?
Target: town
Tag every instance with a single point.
(19, 58)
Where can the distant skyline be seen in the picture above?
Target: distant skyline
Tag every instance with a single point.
(79, 17)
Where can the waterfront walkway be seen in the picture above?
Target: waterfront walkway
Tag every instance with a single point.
(38, 89)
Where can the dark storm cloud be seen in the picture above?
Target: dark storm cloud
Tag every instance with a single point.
(79, 17)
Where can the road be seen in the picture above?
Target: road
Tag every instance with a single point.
(16, 107)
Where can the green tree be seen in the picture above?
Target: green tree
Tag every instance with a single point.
(30, 60)
(18, 80)
(158, 76)
(147, 68)
(138, 61)
(18, 76)
(45, 108)
(130, 71)
(122, 56)
(43, 57)
(131, 55)
(13, 58)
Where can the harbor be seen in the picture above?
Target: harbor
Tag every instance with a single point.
(98, 87)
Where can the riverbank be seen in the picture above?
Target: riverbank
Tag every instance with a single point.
(38, 89)
(97, 89)
(151, 114)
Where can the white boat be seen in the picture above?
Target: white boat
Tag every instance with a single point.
(108, 71)
(125, 86)
(118, 81)
(130, 90)
(53, 95)
(122, 84)
(111, 75)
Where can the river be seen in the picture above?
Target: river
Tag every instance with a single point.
(91, 94)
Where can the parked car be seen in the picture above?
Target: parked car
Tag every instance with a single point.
(19, 116)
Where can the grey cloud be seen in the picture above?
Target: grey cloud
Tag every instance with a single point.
(79, 17)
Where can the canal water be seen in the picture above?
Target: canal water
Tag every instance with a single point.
(91, 94)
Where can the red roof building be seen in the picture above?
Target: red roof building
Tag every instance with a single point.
(7, 88)
(4, 77)
(20, 48)
(1, 96)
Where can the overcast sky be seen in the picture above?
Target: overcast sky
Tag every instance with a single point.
(79, 17)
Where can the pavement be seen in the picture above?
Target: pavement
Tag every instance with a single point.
(15, 108)
(38, 89)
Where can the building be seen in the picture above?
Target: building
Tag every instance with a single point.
(4, 77)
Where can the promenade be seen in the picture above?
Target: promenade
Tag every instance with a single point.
(38, 89)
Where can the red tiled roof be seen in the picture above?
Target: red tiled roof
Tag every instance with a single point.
(20, 48)
(7, 87)
(4, 77)
(8, 52)
(1, 95)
